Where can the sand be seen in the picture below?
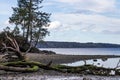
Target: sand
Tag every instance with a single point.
(60, 59)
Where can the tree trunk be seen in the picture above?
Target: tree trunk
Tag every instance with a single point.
(29, 22)
(30, 63)
(36, 42)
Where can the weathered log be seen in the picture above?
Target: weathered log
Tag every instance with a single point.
(35, 66)
(30, 63)
(19, 69)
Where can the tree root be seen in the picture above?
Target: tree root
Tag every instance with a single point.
(19, 69)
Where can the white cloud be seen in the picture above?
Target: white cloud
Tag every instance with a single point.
(70, 1)
(111, 32)
(7, 23)
(47, 3)
(91, 5)
(84, 22)
(54, 24)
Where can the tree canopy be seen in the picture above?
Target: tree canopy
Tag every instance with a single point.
(29, 18)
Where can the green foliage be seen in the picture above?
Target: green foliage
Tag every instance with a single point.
(16, 31)
(28, 17)
(33, 69)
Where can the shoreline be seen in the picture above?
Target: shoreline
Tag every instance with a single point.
(60, 58)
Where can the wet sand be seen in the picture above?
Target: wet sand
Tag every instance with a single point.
(59, 59)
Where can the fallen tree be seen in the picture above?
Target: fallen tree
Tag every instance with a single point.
(17, 62)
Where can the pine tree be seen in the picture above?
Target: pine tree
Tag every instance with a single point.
(31, 20)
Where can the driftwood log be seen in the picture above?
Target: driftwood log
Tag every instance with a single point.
(17, 61)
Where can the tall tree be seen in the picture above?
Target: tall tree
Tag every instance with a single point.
(32, 21)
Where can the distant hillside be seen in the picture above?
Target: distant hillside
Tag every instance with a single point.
(53, 44)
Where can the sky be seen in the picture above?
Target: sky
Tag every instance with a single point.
(76, 20)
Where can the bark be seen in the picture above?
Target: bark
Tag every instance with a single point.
(14, 48)
(30, 63)
(35, 66)
(19, 69)
(29, 21)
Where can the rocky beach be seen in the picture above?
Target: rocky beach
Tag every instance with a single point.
(54, 75)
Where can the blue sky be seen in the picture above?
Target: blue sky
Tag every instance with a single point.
(76, 20)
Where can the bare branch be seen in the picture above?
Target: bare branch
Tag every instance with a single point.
(16, 44)
(118, 64)
(12, 41)
(13, 48)
(28, 49)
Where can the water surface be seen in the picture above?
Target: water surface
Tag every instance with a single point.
(85, 51)
(109, 63)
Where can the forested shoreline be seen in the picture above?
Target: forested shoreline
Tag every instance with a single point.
(55, 44)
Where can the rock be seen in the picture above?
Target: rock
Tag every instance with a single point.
(112, 73)
(104, 59)
(47, 52)
(87, 78)
(95, 60)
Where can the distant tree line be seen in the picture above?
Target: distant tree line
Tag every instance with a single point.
(52, 44)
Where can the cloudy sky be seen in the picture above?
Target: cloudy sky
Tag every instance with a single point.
(76, 20)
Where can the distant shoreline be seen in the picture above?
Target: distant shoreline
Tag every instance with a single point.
(54, 44)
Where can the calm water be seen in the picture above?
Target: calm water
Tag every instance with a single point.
(85, 51)
(110, 63)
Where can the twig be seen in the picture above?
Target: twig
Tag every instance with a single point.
(118, 64)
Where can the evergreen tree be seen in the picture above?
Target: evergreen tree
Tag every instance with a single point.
(31, 20)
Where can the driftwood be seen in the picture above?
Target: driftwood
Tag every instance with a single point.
(14, 48)
(118, 65)
(13, 54)
(19, 69)
(17, 60)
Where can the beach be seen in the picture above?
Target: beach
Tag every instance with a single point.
(60, 59)
(54, 75)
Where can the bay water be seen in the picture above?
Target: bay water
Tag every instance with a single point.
(85, 51)
(109, 63)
